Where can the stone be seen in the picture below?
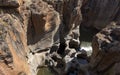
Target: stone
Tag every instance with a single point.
(74, 44)
(99, 14)
(116, 68)
(54, 48)
(106, 53)
(44, 23)
(70, 52)
(82, 54)
(13, 48)
(9, 3)
(21, 34)
(45, 33)
(70, 21)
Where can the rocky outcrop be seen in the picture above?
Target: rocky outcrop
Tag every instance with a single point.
(106, 50)
(100, 13)
(70, 20)
(25, 31)
(45, 33)
(29, 28)
(13, 43)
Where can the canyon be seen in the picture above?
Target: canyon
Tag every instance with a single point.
(46, 37)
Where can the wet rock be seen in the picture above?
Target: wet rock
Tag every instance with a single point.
(76, 62)
(82, 54)
(106, 51)
(76, 65)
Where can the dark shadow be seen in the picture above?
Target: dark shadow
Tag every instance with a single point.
(87, 33)
(35, 29)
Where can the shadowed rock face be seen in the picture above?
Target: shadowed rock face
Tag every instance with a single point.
(100, 13)
(106, 50)
(42, 25)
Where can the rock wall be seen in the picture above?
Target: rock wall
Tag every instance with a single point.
(70, 21)
(28, 30)
(24, 31)
(13, 43)
(45, 33)
(106, 51)
(99, 13)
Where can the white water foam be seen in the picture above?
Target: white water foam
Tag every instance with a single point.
(89, 48)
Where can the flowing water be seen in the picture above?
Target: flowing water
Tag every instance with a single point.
(86, 36)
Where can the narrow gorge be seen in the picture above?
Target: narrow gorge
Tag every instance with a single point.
(59, 37)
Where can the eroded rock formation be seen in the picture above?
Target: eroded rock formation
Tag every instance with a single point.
(24, 31)
(70, 20)
(99, 13)
(106, 50)
(28, 30)
(45, 33)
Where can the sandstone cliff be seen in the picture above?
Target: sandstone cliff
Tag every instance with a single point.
(45, 33)
(28, 30)
(23, 30)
